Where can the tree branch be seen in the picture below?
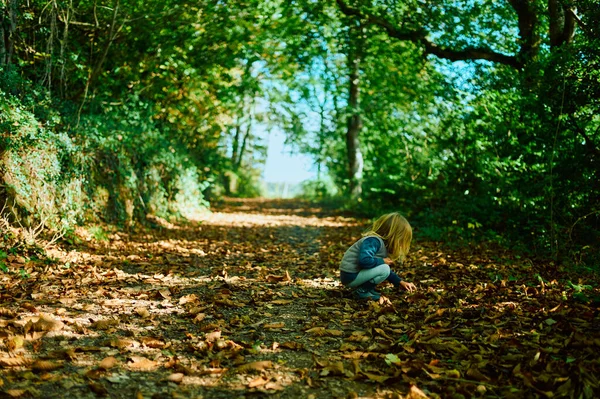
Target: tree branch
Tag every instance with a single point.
(579, 22)
(527, 20)
(420, 37)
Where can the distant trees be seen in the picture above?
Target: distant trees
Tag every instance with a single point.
(479, 119)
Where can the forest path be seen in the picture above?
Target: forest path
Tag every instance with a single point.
(246, 303)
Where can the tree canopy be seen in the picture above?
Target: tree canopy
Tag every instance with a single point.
(477, 119)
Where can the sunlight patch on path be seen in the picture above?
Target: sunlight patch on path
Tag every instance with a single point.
(261, 219)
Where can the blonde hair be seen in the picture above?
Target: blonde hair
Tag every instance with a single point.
(396, 233)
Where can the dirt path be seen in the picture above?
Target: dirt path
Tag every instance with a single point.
(246, 304)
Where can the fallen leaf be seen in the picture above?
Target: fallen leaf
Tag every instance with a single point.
(317, 331)
(274, 325)
(165, 294)
(152, 342)
(142, 312)
(7, 313)
(104, 324)
(108, 363)
(255, 366)
(213, 336)
(16, 393)
(199, 317)
(45, 365)
(282, 302)
(44, 324)
(416, 393)
(176, 378)
(376, 377)
(292, 345)
(98, 389)
(262, 380)
(476, 374)
(15, 362)
(192, 298)
(142, 363)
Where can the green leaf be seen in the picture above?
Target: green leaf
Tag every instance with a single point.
(390, 359)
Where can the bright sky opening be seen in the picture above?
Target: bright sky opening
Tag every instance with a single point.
(284, 167)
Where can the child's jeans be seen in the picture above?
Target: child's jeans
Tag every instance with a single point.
(376, 275)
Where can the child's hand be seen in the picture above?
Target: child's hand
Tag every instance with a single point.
(410, 287)
(388, 261)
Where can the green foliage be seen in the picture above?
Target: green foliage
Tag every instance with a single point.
(155, 107)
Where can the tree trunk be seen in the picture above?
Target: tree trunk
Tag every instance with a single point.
(236, 142)
(8, 28)
(355, 159)
(528, 30)
(238, 163)
(562, 23)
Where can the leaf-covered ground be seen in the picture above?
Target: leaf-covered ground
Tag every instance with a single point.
(247, 303)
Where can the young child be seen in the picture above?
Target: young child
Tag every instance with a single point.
(367, 262)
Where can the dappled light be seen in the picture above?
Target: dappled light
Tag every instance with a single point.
(299, 199)
(248, 301)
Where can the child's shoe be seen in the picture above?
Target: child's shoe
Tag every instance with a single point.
(371, 288)
(374, 294)
(362, 293)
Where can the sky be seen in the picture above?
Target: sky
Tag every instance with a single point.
(283, 167)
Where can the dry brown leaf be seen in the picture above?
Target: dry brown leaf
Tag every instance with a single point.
(121, 343)
(7, 313)
(376, 377)
(64, 354)
(255, 366)
(192, 298)
(67, 301)
(177, 378)
(273, 386)
(44, 324)
(108, 363)
(142, 363)
(16, 393)
(274, 325)
(275, 279)
(29, 307)
(358, 336)
(213, 336)
(152, 342)
(382, 333)
(476, 374)
(334, 333)
(213, 370)
(330, 368)
(165, 294)
(346, 347)
(94, 374)
(45, 365)
(199, 317)
(104, 324)
(142, 312)
(282, 302)
(257, 382)
(317, 331)
(98, 389)
(355, 355)
(292, 345)
(14, 343)
(416, 393)
(230, 303)
(15, 362)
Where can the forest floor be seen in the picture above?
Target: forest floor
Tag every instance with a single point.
(246, 303)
